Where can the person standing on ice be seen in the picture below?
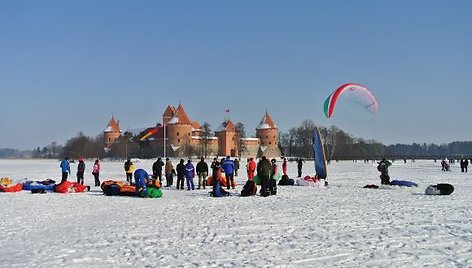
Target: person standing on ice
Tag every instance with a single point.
(80, 171)
(284, 166)
(157, 170)
(272, 181)
(300, 166)
(263, 172)
(215, 168)
(180, 174)
(129, 168)
(251, 169)
(236, 166)
(383, 168)
(202, 172)
(168, 170)
(142, 180)
(96, 172)
(189, 175)
(65, 167)
(228, 167)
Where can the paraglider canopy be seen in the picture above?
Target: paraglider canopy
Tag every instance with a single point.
(357, 92)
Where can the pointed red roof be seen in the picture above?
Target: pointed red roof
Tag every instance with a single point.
(169, 112)
(266, 122)
(181, 116)
(113, 126)
(226, 126)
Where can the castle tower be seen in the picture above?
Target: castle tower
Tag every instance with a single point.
(112, 132)
(178, 127)
(268, 134)
(226, 143)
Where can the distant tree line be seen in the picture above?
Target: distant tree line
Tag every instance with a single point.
(297, 142)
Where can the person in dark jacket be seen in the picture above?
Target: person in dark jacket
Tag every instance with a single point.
(180, 174)
(300, 166)
(129, 168)
(215, 168)
(383, 168)
(169, 171)
(157, 170)
(236, 166)
(202, 173)
(263, 172)
(80, 171)
(228, 167)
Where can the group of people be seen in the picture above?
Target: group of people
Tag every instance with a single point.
(65, 167)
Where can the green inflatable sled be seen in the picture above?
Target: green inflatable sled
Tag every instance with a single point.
(277, 178)
(153, 193)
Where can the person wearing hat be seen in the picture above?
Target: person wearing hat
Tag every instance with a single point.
(65, 167)
(202, 172)
(80, 171)
(383, 168)
(263, 172)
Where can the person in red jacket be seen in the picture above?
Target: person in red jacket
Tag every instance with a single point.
(251, 168)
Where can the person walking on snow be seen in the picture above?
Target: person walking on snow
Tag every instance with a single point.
(236, 166)
(300, 166)
(168, 170)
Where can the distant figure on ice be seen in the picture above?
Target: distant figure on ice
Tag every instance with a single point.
(180, 174)
(189, 175)
(236, 166)
(228, 167)
(263, 172)
(272, 181)
(169, 171)
(96, 172)
(65, 167)
(80, 171)
(444, 165)
(383, 168)
(251, 168)
(157, 170)
(284, 166)
(141, 181)
(202, 173)
(300, 166)
(129, 168)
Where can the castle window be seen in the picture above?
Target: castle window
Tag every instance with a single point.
(267, 137)
(109, 139)
(262, 143)
(177, 133)
(178, 140)
(189, 134)
(274, 136)
(270, 142)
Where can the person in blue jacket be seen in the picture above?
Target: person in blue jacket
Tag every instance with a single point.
(228, 167)
(189, 174)
(142, 180)
(65, 167)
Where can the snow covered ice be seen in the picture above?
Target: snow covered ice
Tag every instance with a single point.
(342, 225)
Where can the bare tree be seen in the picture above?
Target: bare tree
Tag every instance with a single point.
(206, 136)
(240, 134)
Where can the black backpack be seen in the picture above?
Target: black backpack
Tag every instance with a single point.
(249, 188)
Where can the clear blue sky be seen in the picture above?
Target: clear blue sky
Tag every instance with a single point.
(67, 66)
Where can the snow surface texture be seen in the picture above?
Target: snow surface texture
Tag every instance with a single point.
(341, 225)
